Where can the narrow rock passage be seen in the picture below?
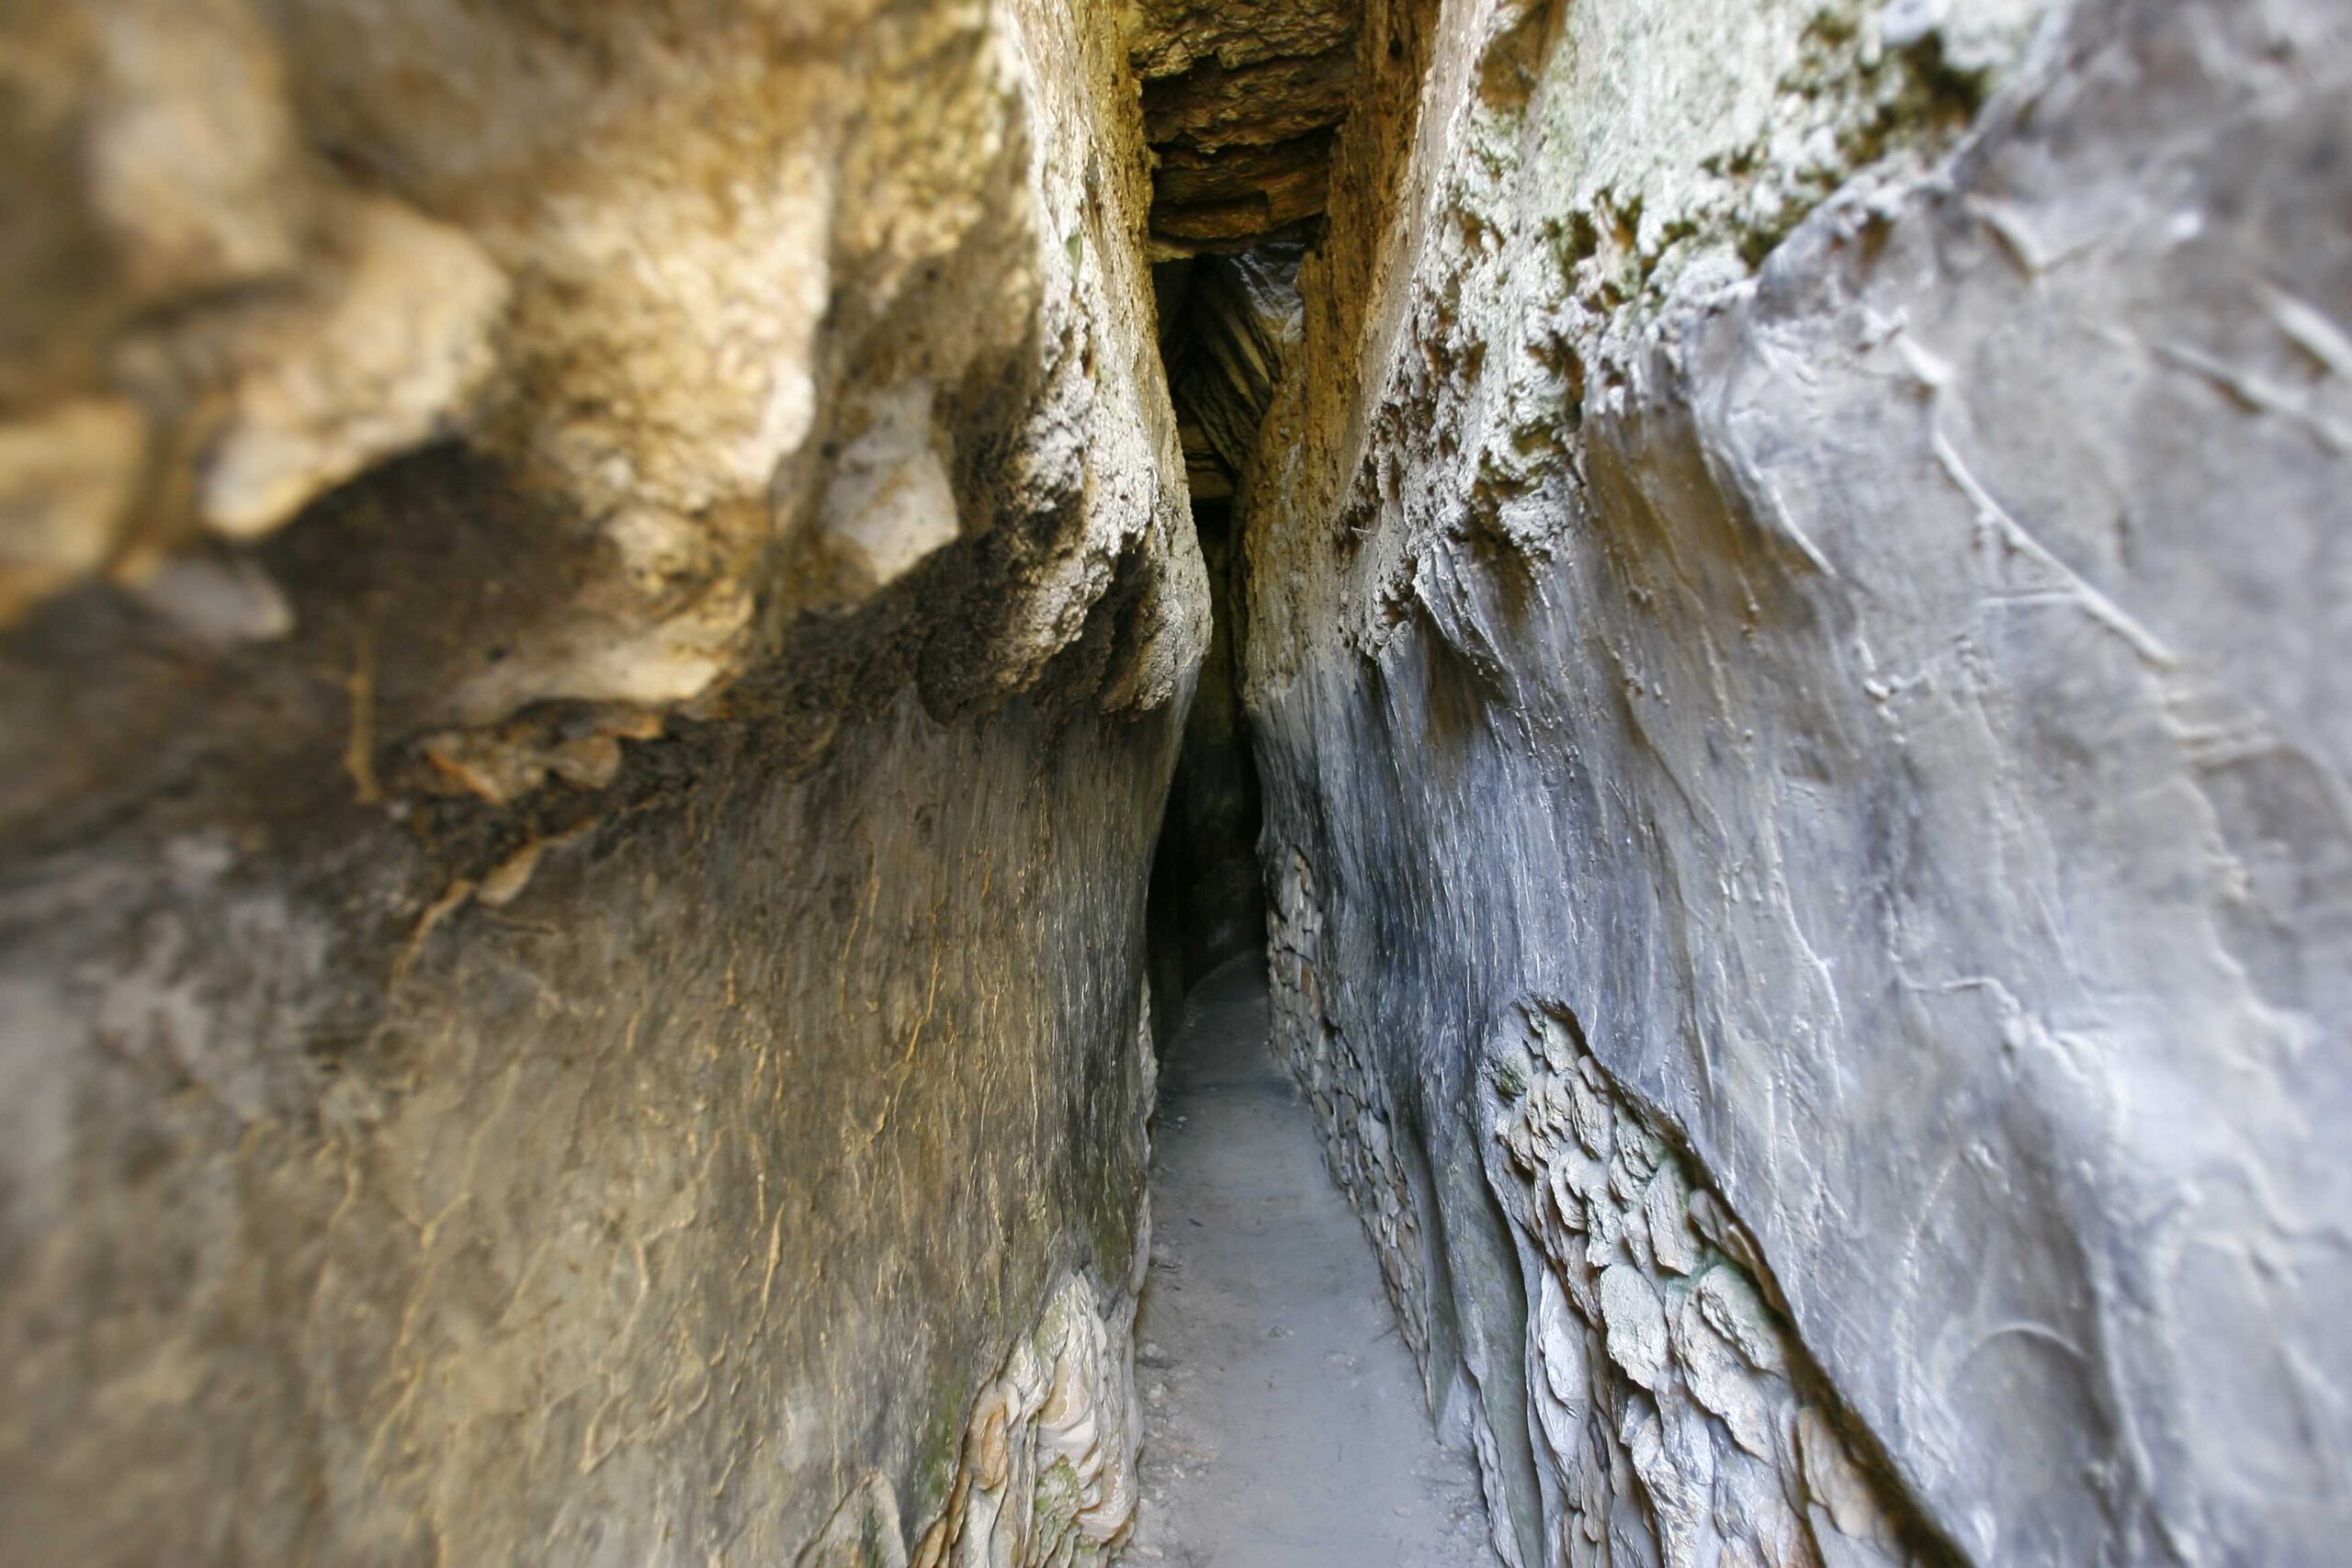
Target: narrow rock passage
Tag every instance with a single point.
(1286, 1425)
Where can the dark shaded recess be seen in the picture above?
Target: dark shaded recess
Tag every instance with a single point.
(1241, 133)
(117, 723)
(1226, 326)
(1207, 902)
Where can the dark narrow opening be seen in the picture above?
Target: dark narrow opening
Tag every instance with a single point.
(1207, 900)
(1226, 323)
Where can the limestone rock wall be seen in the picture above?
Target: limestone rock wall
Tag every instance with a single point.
(1796, 641)
(599, 606)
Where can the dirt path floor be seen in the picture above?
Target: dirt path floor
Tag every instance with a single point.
(1286, 1425)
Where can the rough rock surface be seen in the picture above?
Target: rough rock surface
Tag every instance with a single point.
(1798, 605)
(599, 603)
(1241, 102)
(596, 614)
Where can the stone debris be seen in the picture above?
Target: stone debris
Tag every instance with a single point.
(1728, 1461)
(1047, 1478)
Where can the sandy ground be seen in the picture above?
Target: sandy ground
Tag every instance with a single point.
(1284, 1421)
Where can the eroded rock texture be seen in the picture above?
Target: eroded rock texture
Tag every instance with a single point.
(599, 600)
(1797, 621)
(1241, 102)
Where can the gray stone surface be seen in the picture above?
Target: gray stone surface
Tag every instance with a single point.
(1285, 1423)
(1810, 555)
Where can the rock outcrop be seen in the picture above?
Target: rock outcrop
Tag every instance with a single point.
(1796, 623)
(600, 602)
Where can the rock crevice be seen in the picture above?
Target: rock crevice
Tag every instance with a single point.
(641, 646)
